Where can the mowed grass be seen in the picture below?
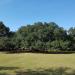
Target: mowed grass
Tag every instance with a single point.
(11, 63)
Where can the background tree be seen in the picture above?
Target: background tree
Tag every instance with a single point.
(37, 37)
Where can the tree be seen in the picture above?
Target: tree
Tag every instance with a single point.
(60, 33)
(71, 34)
(4, 31)
(38, 36)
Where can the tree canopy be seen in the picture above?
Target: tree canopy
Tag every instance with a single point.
(37, 37)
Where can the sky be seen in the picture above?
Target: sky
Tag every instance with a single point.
(17, 13)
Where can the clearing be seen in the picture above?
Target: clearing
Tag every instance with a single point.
(34, 64)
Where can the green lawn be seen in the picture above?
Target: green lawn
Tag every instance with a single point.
(37, 64)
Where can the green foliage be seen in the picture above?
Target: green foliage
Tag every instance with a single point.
(3, 30)
(39, 36)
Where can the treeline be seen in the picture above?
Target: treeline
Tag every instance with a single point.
(37, 37)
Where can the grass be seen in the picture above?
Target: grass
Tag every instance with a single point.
(34, 64)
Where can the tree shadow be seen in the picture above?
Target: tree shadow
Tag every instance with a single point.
(8, 68)
(3, 74)
(58, 71)
(39, 52)
(40, 71)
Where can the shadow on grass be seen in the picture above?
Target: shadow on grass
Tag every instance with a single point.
(40, 71)
(36, 51)
(40, 52)
(3, 74)
(8, 68)
(58, 71)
